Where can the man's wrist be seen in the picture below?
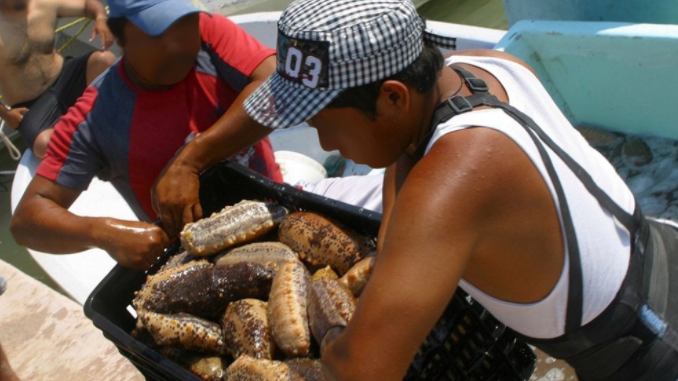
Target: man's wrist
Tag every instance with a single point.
(98, 232)
(189, 158)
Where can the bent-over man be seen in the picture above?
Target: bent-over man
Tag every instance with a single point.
(488, 188)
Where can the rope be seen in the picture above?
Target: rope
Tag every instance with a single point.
(14, 152)
(78, 33)
(70, 25)
(75, 36)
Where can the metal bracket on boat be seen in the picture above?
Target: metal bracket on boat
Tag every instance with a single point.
(459, 104)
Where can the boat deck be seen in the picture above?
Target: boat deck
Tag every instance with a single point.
(46, 336)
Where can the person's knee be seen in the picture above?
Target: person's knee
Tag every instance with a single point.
(41, 142)
(97, 63)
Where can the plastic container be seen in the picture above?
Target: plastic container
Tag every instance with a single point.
(466, 344)
(297, 167)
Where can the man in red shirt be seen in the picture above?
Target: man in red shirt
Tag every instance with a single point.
(183, 72)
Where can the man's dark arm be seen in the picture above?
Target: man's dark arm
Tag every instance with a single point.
(175, 193)
(42, 222)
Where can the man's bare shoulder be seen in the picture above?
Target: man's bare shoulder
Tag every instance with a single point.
(43, 6)
(55, 8)
(491, 53)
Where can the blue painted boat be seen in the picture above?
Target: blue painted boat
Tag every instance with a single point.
(634, 11)
(617, 76)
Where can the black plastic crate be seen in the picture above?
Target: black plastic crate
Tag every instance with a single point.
(466, 344)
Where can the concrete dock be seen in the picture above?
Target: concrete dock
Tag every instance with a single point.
(46, 336)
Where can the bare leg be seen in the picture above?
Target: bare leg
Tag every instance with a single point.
(97, 63)
(40, 144)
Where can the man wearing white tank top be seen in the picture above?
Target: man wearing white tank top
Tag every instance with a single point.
(488, 188)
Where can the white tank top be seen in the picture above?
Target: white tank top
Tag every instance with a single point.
(604, 243)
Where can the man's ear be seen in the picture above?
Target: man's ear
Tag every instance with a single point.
(394, 94)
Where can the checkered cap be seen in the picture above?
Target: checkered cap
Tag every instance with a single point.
(326, 46)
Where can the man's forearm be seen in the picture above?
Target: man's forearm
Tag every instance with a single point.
(232, 133)
(55, 230)
(95, 10)
(43, 225)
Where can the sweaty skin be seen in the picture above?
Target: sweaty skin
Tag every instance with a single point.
(42, 222)
(474, 207)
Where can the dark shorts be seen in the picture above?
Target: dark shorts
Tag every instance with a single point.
(657, 360)
(660, 361)
(45, 111)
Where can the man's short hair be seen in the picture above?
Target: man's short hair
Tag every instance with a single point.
(421, 75)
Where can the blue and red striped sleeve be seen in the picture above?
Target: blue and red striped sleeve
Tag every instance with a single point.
(240, 53)
(69, 159)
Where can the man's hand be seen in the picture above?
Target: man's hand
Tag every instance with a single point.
(14, 116)
(134, 244)
(175, 197)
(101, 28)
(42, 222)
(175, 192)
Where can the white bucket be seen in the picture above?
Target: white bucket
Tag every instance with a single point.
(296, 167)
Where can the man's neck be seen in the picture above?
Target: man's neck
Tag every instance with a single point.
(447, 85)
(140, 81)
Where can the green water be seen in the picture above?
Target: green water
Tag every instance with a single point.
(483, 13)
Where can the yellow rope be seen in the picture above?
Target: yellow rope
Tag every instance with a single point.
(70, 25)
(75, 36)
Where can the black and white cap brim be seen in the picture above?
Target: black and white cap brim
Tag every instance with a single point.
(275, 104)
(326, 46)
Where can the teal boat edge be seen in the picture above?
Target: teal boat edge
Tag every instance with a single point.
(635, 11)
(616, 76)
